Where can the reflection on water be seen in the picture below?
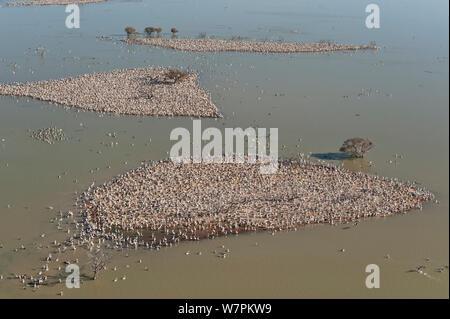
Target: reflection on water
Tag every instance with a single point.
(311, 98)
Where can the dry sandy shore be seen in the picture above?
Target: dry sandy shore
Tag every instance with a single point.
(146, 91)
(172, 202)
(209, 45)
(51, 2)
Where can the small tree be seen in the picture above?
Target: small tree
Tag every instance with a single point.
(98, 262)
(176, 75)
(149, 30)
(158, 31)
(357, 146)
(174, 30)
(130, 30)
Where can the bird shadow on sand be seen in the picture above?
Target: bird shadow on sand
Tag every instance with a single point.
(331, 156)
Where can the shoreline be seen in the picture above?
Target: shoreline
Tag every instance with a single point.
(143, 91)
(163, 203)
(51, 2)
(215, 45)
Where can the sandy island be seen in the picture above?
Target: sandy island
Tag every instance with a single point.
(215, 45)
(51, 2)
(146, 91)
(173, 202)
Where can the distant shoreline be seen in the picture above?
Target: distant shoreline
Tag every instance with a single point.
(216, 45)
(50, 2)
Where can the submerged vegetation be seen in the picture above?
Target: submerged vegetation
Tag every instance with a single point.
(98, 262)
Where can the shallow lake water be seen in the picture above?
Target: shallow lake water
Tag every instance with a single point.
(396, 96)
